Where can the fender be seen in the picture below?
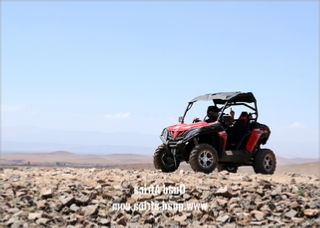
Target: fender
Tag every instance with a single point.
(254, 138)
(223, 136)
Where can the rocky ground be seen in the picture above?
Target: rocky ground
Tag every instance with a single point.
(66, 197)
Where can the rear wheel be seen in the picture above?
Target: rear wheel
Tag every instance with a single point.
(230, 169)
(162, 161)
(203, 158)
(264, 162)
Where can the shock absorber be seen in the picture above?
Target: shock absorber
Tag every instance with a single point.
(173, 151)
(195, 140)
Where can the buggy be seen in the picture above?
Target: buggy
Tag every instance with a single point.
(207, 146)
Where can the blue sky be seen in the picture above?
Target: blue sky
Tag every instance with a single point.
(133, 66)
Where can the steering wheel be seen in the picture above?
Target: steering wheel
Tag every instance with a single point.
(205, 118)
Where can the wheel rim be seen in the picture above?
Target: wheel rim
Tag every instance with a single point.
(164, 160)
(230, 168)
(268, 162)
(206, 159)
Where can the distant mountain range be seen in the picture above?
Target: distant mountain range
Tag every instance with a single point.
(22, 147)
(19, 139)
(22, 139)
(64, 157)
(72, 158)
(33, 134)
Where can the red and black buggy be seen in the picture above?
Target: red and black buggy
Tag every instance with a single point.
(207, 146)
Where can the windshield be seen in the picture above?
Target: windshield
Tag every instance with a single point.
(199, 110)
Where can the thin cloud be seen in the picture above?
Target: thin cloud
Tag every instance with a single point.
(10, 108)
(297, 125)
(33, 113)
(117, 116)
(154, 119)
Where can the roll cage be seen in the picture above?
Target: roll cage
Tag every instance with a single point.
(225, 100)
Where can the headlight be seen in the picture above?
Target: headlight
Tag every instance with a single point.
(192, 133)
(164, 134)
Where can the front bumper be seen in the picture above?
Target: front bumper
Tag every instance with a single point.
(178, 143)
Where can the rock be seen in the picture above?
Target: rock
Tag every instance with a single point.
(74, 208)
(46, 193)
(168, 183)
(20, 193)
(122, 221)
(317, 222)
(258, 215)
(222, 202)
(222, 218)
(57, 206)
(265, 184)
(204, 219)
(16, 224)
(65, 210)
(294, 205)
(292, 213)
(186, 196)
(34, 216)
(135, 218)
(311, 212)
(197, 215)
(274, 193)
(105, 222)
(144, 197)
(224, 172)
(150, 220)
(254, 223)
(42, 204)
(297, 220)
(58, 219)
(223, 191)
(246, 179)
(42, 221)
(79, 198)
(206, 196)
(91, 210)
(12, 210)
(83, 200)
(180, 218)
(11, 221)
(67, 200)
(317, 193)
(23, 215)
(314, 205)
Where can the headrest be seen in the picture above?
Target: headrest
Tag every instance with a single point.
(213, 109)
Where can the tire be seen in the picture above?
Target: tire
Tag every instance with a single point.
(203, 158)
(264, 162)
(230, 169)
(162, 161)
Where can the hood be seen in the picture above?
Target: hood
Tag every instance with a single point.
(178, 129)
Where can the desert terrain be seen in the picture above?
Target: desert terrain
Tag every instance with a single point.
(136, 162)
(62, 189)
(99, 197)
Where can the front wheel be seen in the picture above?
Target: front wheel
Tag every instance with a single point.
(264, 162)
(203, 158)
(162, 161)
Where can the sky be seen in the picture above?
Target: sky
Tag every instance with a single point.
(132, 66)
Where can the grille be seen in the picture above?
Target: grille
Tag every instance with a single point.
(178, 136)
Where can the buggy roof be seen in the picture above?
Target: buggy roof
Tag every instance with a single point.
(222, 98)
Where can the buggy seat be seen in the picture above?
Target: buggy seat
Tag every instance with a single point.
(239, 131)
